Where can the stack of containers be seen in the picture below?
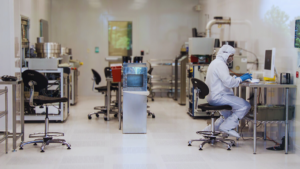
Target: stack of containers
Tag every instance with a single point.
(48, 50)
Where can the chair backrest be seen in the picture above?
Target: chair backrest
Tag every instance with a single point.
(203, 88)
(107, 72)
(150, 70)
(97, 77)
(32, 75)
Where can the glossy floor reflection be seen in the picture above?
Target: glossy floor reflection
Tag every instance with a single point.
(99, 144)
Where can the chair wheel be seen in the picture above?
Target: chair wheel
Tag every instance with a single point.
(42, 151)
(233, 145)
(200, 149)
(105, 118)
(34, 144)
(63, 144)
(189, 145)
(228, 149)
(69, 148)
(116, 115)
(152, 99)
(21, 148)
(149, 114)
(90, 117)
(97, 115)
(153, 116)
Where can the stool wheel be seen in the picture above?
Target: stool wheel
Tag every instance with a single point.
(89, 117)
(97, 115)
(229, 147)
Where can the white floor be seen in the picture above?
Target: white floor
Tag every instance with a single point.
(99, 144)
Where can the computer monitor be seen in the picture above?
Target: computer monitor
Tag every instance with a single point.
(195, 32)
(269, 66)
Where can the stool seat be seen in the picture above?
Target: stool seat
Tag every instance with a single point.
(104, 88)
(207, 106)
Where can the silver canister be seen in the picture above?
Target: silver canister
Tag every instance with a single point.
(48, 50)
(66, 51)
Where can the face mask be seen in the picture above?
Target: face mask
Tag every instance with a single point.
(229, 60)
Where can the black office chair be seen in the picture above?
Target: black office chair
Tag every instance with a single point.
(210, 136)
(103, 90)
(36, 82)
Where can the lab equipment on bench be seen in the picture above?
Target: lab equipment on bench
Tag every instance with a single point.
(269, 67)
(285, 78)
(238, 65)
(9, 78)
(135, 98)
(126, 59)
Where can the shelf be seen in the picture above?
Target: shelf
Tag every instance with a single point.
(251, 120)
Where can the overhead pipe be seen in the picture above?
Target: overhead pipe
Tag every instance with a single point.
(217, 20)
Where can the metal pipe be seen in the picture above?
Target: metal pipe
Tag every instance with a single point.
(254, 120)
(286, 120)
(216, 21)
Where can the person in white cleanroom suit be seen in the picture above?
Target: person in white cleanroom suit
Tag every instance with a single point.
(220, 85)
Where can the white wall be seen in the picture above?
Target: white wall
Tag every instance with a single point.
(34, 10)
(161, 26)
(262, 34)
(6, 50)
(10, 47)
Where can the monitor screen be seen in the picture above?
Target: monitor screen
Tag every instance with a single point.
(268, 60)
(297, 34)
(134, 80)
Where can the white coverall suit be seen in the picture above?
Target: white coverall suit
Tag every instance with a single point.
(220, 85)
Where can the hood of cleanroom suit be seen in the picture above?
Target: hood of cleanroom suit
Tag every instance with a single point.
(218, 78)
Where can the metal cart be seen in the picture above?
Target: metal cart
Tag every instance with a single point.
(163, 80)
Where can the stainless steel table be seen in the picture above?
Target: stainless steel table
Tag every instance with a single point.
(14, 135)
(264, 84)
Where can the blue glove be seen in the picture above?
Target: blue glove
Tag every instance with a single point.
(246, 76)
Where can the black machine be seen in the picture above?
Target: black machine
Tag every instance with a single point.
(9, 78)
(138, 59)
(126, 59)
